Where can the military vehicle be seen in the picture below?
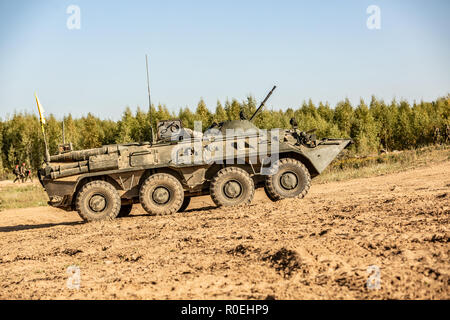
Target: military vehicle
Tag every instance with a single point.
(228, 161)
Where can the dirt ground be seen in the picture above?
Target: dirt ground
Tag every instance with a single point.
(320, 247)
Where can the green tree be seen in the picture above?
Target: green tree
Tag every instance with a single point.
(220, 115)
(421, 124)
(187, 118)
(232, 109)
(1, 148)
(71, 131)
(140, 130)
(364, 130)
(53, 131)
(125, 127)
(385, 118)
(93, 139)
(203, 114)
(109, 131)
(249, 107)
(343, 117)
(325, 112)
(403, 130)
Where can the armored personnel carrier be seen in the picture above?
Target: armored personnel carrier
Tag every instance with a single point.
(228, 161)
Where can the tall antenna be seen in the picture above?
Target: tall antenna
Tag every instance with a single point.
(149, 100)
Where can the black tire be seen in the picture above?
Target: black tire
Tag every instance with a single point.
(185, 204)
(97, 200)
(125, 210)
(232, 186)
(161, 194)
(269, 195)
(292, 180)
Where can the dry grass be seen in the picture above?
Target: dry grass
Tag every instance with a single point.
(22, 196)
(376, 165)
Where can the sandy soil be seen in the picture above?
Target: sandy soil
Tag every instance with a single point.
(316, 248)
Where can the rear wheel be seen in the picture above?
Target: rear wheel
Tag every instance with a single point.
(232, 186)
(292, 180)
(97, 200)
(161, 194)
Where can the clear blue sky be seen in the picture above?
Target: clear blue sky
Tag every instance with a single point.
(216, 50)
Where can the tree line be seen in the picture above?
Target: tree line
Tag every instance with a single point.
(396, 125)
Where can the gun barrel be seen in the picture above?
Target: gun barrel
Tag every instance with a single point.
(82, 155)
(263, 102)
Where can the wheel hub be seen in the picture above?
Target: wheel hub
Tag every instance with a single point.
(161, 195)
(97, 203)
(232, 189)
(289, 181)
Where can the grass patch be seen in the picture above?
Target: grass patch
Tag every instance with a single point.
(375, 165)
(22, 196)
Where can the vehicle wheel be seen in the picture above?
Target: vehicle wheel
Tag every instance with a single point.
(292, 180)
(161, 194)
(268, 194)
(97, 200)
(232, 186)
(185, 204)
(125, 210)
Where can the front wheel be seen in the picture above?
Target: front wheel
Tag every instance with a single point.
(292, 180)
(98, 200)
